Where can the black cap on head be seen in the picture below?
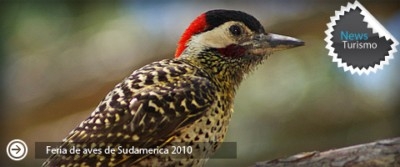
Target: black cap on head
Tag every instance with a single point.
(217, 17)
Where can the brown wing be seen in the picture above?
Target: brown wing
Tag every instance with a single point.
(144, 117)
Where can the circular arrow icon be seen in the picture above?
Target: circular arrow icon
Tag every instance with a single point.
(17, 149)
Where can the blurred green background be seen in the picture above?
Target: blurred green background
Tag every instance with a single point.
(59, 59)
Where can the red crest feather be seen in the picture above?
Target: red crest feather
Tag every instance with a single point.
(197, 26)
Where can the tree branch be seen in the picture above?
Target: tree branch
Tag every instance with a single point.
(379, 153)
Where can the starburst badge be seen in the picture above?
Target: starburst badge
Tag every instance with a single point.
(357, 42)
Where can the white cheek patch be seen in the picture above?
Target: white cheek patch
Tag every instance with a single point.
(217, 38)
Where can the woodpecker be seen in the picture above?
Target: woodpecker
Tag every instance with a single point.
(188, 99)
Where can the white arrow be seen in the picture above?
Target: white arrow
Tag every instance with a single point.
(16, 149)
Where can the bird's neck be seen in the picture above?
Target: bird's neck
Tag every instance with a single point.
(224, 71)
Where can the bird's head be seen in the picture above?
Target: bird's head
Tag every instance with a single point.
(233, 34)
(231, 37)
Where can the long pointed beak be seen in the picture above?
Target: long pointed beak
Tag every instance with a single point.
(281, 41)
(275, 42)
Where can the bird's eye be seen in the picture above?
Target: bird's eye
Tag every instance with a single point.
(235, 30)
